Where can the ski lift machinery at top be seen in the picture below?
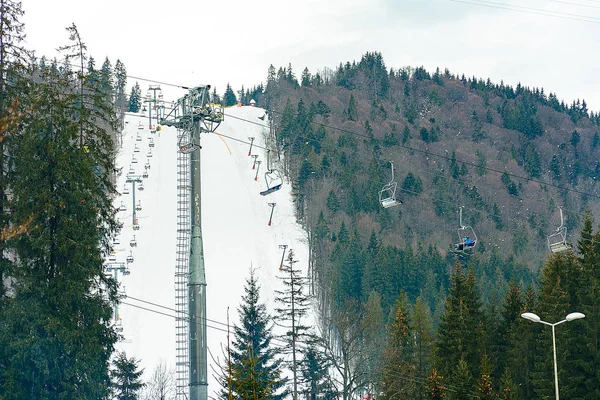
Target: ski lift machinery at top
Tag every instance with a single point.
(467, 240)
(557, 241)
(387, 195)
(273, 178)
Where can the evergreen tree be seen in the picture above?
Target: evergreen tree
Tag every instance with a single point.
(459, 332)
(435, 387)
(126, 377)
(120, 85)
(397, 368)
(135, 98)
(61, 346)
(256, 369)
(306, 78)
(106, 78)
(294, 306)
(316, 383)
(229, 97)
(352, 111)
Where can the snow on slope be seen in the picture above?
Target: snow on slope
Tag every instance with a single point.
(235, 232)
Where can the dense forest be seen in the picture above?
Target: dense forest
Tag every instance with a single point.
(401, 316)
(409, 318)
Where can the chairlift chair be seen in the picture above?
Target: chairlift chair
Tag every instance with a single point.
(140, 125)
(147, 166)
(138, 138)
(151, 144)
(122, 207)
(136, 149)
(112, 256)
(118, 327)
(273, 178)
(387, 195)
(557, 241)
(138, 206)
(141, 187)
(149, 155)
(136, 227)
(126, 270)
(134, 160)
(116, 241)
(131, 171)
(133, 242)
(126, 189)
(467, 239)
(130, 258)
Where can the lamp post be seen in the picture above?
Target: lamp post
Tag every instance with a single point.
(571, 317)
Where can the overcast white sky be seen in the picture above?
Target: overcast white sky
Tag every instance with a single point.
(192, 42)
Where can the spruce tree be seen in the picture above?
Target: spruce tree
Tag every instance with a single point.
(254, 362)
(56, 337)
(229, 98)
(459, 333)
(316, 383)
(126, 377)
(294, 306)
(135, 98)
(397, 369)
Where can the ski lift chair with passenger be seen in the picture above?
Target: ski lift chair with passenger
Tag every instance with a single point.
(151, 144)
(141, 187)
(138, 206)
(466, 236)
(133, 242)
(557, 241)
(147, 166)
(145, 174)
(273, 178)
(387, 195)
(130, 258)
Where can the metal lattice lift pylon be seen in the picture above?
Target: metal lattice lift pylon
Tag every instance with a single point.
(191, 115)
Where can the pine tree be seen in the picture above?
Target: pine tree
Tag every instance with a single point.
(254, 362)
(229, 97)
(397, 369)
(135, 98)
(120, 85)
(352, 111)
(306, 78)
(55, 336)
(106, 78)
(459, 333)
(126, 377)
(294, 306)
(316, 382)
(435, 387)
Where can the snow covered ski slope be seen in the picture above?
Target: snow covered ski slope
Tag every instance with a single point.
(235, 231)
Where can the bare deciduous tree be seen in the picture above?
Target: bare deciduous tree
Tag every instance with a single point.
(161, 385)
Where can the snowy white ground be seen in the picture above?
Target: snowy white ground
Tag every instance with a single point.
(235, 232)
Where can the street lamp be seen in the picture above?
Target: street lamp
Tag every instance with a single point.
(571, 317)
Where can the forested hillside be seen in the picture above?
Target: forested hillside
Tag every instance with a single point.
(509, 155)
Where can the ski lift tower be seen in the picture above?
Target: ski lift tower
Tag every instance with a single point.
(191, 115)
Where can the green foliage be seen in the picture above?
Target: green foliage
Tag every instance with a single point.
(521, 115)
(126, 377)
(55, 336)
(352, 111)
(511, 187)
(229, 98)
(135, 98)
(256, 368)
(459, 333)
(411, 184)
